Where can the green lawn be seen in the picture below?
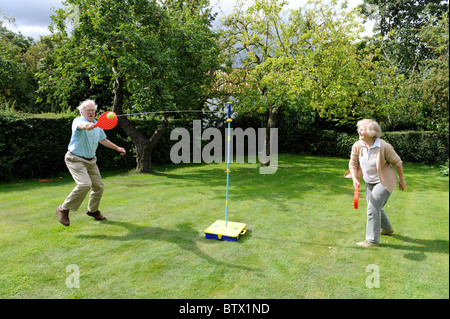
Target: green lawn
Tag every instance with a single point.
(300, 242)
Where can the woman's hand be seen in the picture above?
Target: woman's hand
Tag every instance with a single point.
(402, 185)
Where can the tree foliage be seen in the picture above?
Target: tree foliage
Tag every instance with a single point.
(150, 56)
(397, 29)
(19, 60)
(310, 63)
(310, 58)
(433, 81)
(413, 36)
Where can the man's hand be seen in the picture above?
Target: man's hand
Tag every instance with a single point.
(121, 150)
(86, 126)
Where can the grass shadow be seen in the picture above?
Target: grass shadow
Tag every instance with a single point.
(416, 248)
(186, 237)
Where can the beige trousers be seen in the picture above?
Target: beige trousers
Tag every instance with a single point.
(87, 176)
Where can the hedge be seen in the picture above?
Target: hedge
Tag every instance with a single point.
(33, 146)
(422, 147)
(301, 134)
(426, 147)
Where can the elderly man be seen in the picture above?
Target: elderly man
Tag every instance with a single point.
(82, 164)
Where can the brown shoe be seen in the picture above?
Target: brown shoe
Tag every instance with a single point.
(63, 216)
(97, 215)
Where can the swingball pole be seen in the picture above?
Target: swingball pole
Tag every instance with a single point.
(228, 161)
(220, 229)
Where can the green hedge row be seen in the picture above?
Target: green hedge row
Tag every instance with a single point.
(33, 146)
(300, 135)
(420, 147)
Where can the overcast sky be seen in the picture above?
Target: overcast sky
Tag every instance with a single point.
(33, 16)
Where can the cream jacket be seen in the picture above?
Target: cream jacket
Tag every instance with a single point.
(385, 159)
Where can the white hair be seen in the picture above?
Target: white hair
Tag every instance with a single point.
(87, 102)
(373, 129)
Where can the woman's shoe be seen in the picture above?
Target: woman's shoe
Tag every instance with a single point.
(387, 232)
(367, 243)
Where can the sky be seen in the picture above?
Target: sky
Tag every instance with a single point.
(33, 16)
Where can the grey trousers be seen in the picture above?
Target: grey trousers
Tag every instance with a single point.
(377, 220)
(87, 176)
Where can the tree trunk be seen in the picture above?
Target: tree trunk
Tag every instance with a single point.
(143, 157)
(143, 145)
(271, 122)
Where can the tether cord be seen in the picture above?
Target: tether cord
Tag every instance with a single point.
(164, 112)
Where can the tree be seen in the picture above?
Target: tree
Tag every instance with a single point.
(260, 59)
(313, 58)
(10, 67)
(433, 80)
(156, 56)
(18, 60)
(397, 27)
(64, 80)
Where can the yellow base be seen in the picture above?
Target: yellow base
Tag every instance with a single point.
(231, 232)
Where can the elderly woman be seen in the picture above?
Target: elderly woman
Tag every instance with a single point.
(372, 159)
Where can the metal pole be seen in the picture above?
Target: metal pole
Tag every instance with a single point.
(228, 161)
